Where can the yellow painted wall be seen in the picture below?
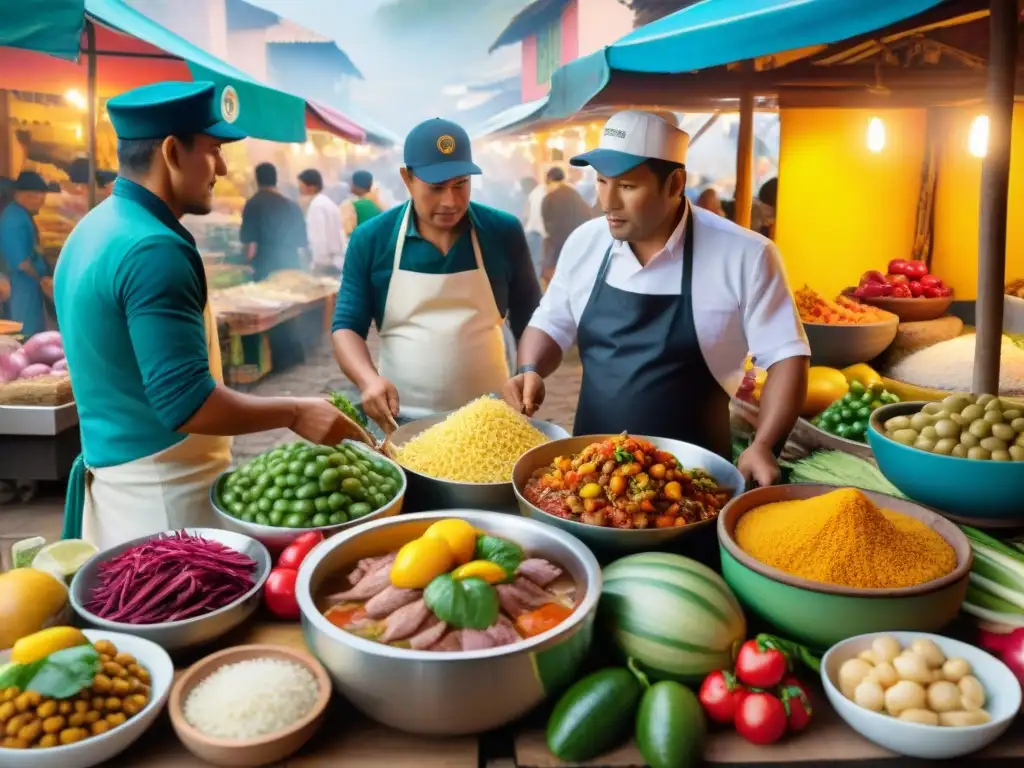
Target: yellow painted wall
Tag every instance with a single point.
(955, 245)
(843, 209)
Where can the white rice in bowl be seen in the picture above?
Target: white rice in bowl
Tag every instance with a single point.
(949, 365)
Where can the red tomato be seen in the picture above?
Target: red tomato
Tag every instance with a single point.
(916, 269)
(296, 552)
(916, 288)
(898, 267)
(946, 291)
(760, 664)
(927, 280)
(761, 718)
(872, 276)
(797, 702)
(897, 279)
(279, 593)
(871, 290)
(902, 292)
(721, 695)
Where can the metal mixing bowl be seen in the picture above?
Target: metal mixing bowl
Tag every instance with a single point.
(434, 493)
(178, 635)
(443, 693)
(276, 538)
(618, 541)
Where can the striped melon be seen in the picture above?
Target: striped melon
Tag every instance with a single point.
(673, 615)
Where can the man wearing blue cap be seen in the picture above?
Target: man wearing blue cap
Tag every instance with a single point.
(665, 301)
(19, 249)
(140, 340)
(437, 276)
(360, 207)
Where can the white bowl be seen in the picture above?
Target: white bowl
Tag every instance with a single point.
(928, 742)
(1013, 315)
(99, 749)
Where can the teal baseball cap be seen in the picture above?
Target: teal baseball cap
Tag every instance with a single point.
(439, 150)
(174, 108)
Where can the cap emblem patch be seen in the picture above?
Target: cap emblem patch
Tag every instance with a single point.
(229, 105)
(446, 145)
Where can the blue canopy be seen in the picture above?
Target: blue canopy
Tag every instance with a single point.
(55, 30)
(717, 32)
(509, 119)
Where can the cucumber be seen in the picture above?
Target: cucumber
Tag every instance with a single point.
(593, 715)
(670, 726)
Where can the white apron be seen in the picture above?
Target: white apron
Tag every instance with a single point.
(441, 338)
(162, 492)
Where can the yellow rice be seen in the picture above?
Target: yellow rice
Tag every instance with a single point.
(479, 443)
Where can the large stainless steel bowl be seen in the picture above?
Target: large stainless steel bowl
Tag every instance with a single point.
(449, 693)
(433, 493)
(277, 538)
(617, 541)
(178, 635)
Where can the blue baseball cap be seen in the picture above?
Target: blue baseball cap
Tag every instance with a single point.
(362, 179)
(174, 108)
(439, 150)
(30, 181)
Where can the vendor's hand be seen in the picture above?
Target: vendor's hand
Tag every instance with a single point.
(319, 421)
(46, 283)
(525, 392)
(380, 403)
(758, 463)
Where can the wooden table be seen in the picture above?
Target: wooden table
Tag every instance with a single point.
(349, 740)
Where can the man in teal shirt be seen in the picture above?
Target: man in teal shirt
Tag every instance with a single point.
(140, 339)
(360, 207)
(19, 249)
(438, 276)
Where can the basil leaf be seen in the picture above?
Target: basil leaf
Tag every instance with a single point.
(58, 676)
(467, 604)
(505, 553)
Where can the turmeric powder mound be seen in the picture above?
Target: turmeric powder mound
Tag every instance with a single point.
(842, 538)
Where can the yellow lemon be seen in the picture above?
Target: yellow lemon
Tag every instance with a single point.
(490, 572)
(30, 600)
(419, 562)
(41, 644)
(458, 534)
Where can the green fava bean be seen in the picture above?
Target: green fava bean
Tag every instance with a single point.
(337, 501)
(321, 504)
(295, 467)
(274, 493)
(264, 504)
(359, 509)
(295, 521)
(303, 507)
(330, 479)
(262, 519)
(276, 517)
(337, 518)
(282, 505)
(288, 493)
(307, 491)
(352, 486)
(311, 470)
(320, 519)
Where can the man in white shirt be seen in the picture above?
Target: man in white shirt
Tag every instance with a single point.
(324, 228)
(664, 301)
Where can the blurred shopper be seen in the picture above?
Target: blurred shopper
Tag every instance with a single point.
(273, 229)
(562, 210)
(710, 201)
(437, 277)
(767, 197)
(534, 224)
(324, 231)
(361, 206)
(31, 280)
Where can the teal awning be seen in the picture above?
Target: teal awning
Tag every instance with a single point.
(263, 112)
(55, 29)
(717, 32)
(509, 119)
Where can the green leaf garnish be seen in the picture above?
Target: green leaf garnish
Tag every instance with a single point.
(467, 604)
(59, 676)
(505, 553)
(622, 456)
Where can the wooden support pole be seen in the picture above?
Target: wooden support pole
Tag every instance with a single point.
(995, 183)
(745, 160)
(91, 95)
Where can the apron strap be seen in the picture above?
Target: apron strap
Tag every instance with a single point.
(687, 287)
(74, 503)
(402, 229)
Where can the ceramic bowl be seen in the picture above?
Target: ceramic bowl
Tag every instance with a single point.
(985, 494)
(928, 742)
(838, 346)
(262, 750)
(99, 749)
(609, 542)
(1013, 315)
(796, 606)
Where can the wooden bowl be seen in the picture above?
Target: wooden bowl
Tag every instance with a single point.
(262, 750)
(838, 346)
(816, 439)
(908, 310)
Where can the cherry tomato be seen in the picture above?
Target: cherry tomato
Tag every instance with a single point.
(902, 292)
(761, 718)
(898, 279)
(916, 288)
(872, 276)
(927, 280)
(721, 695)
(797, 701)
(898, 267)
(279, 593)
(916, 269)
(761, 664)
(296, 552)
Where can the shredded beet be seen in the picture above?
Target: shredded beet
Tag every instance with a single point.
(170, 578)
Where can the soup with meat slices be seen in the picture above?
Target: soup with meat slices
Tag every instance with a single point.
(414, 598)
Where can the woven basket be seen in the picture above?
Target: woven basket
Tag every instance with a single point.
(42, 390)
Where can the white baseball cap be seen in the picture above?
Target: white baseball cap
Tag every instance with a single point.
(631, 137)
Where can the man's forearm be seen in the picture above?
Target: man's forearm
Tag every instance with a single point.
(227, 412)
(782, 399)
(353, 357)
(538, 349)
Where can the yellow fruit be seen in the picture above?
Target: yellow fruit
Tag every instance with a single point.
(824, 387)
(421, 561)
(490, 572)
(30, 600)
(863, 373)
(41, 644)
(459, 535)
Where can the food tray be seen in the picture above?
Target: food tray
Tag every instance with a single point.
(43, 390)
(37, 420)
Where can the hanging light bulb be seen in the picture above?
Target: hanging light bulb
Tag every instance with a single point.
(876, 134)
(977, 140)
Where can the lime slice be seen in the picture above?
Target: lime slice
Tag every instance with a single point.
(24, 552)
(64, 558)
